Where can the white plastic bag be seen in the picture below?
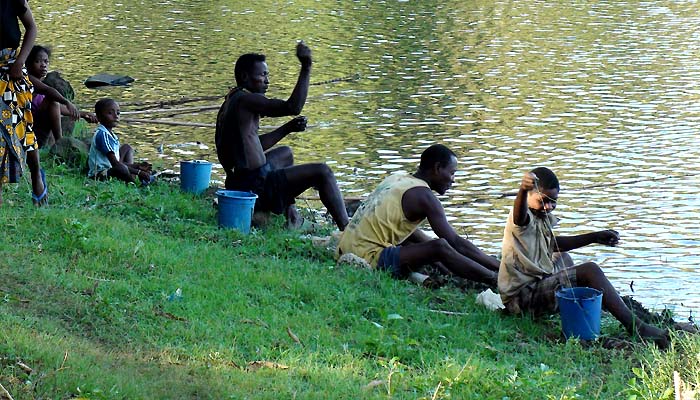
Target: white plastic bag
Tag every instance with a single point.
(490, 300)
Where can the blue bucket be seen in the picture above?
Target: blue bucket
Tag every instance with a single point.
(194, 176)
(236, 209)
(579, 309)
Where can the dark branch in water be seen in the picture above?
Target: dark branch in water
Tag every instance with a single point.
(147, 105)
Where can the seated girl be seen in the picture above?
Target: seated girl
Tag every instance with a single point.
(48, 104)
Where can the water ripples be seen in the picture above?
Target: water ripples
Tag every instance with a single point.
(605, 94)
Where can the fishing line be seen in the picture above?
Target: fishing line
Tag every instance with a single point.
(558, 250)
(549, 227)
(146, 105)
(611, 184)
(347, 78)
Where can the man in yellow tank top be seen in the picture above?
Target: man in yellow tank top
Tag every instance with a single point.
(384, 231)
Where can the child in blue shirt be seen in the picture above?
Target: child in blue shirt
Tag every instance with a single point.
(107, 158)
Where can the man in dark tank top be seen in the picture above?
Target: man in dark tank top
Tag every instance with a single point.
(250, 162)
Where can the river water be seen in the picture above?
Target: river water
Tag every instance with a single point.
(603, 92)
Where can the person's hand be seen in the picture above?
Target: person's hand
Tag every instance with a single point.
(304, 54)
(607, 237)
(73, 111)
(144, 166)
(144, 176)
(15, 71)
(297, 124)
(529, 181)
(88, 116)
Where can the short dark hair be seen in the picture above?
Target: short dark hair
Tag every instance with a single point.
(34, 53)
(102, 104)
(436, 153)
(244, 65)
(546, 178)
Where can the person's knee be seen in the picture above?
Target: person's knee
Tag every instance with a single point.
(441, 247)
(283, 157)
(326, 172)
(126, 154)
(589, 272)
(121, 169)
(280, 157)
(563, 260)
(55, 108)
(286, 155)
(121, 172)
(322, 175)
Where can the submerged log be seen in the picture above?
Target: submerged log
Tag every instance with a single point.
(167, 122)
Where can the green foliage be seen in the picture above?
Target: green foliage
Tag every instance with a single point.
(81, 129)
(117, 291)
(653, 378)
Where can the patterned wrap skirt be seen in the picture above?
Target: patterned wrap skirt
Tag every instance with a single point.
(16, 133)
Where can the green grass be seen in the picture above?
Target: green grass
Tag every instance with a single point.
(86, 301)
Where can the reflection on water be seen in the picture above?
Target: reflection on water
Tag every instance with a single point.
(603, 93)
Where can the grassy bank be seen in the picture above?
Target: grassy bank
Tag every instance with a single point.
(90, 307)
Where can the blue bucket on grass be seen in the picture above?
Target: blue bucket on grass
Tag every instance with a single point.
(236, 209)
(579, 309)
(194, 176)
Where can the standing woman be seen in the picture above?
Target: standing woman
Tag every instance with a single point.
(17, 140)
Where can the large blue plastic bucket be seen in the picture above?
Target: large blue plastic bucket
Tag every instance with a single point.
(579, 309)
(194, 176)
(236, 209)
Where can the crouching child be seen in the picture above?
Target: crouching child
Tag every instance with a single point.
(533, 264)
(109, 159)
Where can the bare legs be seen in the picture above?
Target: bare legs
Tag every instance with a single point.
(439, 250)
(38, 187)
(35, 170)
(121, 171)
(302, 177)
(589, 274)
(279, 158)
(47, 123)
(126, 154)
(319, 176)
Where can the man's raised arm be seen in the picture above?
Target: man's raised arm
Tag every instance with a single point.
(257, 103)
(298, 98)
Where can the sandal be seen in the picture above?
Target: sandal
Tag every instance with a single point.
(41, 199)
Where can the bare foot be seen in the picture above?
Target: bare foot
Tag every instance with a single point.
(616, 343)
(39, 189)
(261, 219)
(686, 327)
(658, 336)
(434, 282)
(294, 220)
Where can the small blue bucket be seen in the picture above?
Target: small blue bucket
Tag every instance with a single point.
(194, 176)
(579, 309)
(236, 209)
